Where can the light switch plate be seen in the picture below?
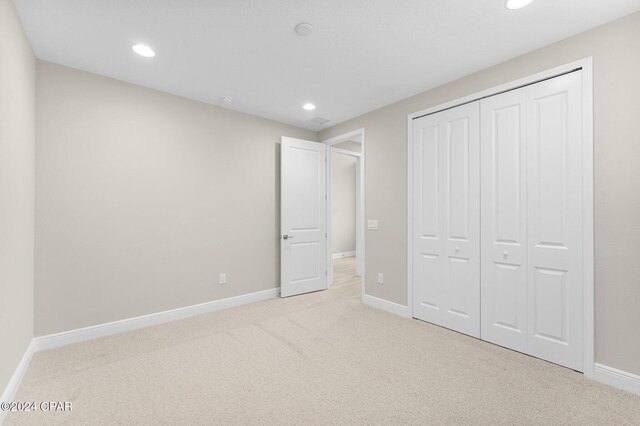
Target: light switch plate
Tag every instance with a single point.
(222, 278)
(372, 225)
(380, 278)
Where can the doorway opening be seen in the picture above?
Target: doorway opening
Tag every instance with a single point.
(345, 212)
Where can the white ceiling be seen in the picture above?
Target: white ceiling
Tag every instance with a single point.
(362, 55)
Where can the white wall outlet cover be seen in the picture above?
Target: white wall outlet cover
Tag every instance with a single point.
(372, 225)
(222, 279)
(380, 278)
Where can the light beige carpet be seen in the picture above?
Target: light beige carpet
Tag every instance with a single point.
(322, 358)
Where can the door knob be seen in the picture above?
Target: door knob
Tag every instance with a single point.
(287, 237)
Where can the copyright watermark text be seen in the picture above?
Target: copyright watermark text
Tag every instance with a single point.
(37, 406)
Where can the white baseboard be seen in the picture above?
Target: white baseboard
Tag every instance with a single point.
(385, 305)
(344, 254)
(13, 385)
(616, 378)
(93, 332)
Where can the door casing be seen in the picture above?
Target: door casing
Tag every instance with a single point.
(358, 134)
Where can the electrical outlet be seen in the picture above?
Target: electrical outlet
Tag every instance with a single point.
(222, 278)
(380, 278)
(372, 225)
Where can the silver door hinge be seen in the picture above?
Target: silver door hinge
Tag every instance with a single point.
(325, 235)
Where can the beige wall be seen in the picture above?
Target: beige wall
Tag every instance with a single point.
(143, 198)
(343, 203)
(17, 114)
(615, 48)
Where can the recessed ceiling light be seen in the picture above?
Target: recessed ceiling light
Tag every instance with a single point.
(304, 29)
(143, 50)
(517, 4)
(309, 107)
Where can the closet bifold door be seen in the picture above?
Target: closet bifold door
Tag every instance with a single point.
(554, 220)
(531, 161)
(504, 222)
(446, 218)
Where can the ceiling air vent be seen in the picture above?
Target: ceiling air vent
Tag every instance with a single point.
(319, 120)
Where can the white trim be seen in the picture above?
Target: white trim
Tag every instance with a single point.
(385, 305)
(354, 135)
(587, 170)
(587, 217)
(329, 220)
(410, 214)
(16, 379)
(554, 72)
(93, 332)
(617, 378)
(359, 136)
(345, 152)
(344, 254)
(360, 208)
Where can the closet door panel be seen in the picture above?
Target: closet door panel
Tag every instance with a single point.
(504, 275)
(446, 266)
(461, 189)
(427, 239)
(457, 182)
(554, 140)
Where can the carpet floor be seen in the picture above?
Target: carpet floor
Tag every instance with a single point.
(321, 358)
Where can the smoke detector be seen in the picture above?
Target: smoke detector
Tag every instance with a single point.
(226, 100)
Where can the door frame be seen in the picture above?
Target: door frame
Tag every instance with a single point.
(586, 65)
(358, 134)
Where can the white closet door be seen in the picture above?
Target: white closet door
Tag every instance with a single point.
(554, 187)
(427, 220)
(504, 226)
(446, 219)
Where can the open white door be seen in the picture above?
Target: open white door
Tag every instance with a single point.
(303, 230)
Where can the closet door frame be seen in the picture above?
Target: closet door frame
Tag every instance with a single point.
(586, 65)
